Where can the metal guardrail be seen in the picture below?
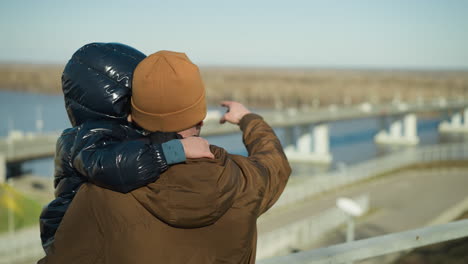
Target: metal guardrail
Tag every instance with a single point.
(304, 231)
(376, 246)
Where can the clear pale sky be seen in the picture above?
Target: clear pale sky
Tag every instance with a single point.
(328, 33)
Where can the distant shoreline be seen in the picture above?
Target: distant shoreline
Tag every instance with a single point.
(282, 87)
(32, 91)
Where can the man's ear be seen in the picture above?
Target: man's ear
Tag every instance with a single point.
(199, 125)
(129, 118)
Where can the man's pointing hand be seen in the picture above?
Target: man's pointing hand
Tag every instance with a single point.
(235, 112)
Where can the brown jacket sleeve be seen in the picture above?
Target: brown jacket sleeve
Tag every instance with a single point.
(266, 168)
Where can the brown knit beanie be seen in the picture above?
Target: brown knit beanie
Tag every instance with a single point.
(168, 93)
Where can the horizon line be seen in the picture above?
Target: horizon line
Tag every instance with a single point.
(359, 67)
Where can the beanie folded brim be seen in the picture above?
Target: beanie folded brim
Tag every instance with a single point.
(170, 122)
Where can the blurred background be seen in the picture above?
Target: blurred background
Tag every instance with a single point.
(369, 99)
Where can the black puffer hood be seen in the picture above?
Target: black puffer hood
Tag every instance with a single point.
(97, 82)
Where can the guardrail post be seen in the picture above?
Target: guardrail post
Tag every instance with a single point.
(350, 229)
(350, 232)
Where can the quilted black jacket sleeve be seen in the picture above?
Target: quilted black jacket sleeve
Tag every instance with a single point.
(116, 157)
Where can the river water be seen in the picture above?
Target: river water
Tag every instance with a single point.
(350, 141)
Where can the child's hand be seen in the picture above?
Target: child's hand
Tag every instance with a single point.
(196, 147)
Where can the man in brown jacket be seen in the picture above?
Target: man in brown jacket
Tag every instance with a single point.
(201, 211)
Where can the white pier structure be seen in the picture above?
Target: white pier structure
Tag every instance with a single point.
(310, 146)
(457, 123)
(402, 132)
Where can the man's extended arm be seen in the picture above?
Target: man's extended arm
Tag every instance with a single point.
(266, 169)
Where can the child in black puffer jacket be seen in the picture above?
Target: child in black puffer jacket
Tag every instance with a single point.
(102, 147)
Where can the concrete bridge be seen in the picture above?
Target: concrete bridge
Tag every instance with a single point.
(311, 144)
(19, 147)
